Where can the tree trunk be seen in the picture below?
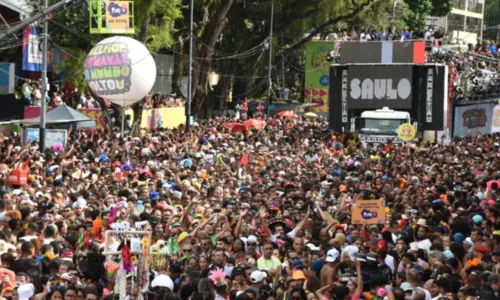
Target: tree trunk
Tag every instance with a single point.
(209, 37)
(104, 109)
(178, 63)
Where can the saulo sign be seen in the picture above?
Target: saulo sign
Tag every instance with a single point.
(378, 86)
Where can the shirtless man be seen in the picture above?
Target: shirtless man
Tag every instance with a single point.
(328, 271)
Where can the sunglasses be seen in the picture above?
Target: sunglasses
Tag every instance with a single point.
(187, 250)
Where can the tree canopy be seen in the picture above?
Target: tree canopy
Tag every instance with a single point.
(231, 37)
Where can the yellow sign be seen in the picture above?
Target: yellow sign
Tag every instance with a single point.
(406, 132)
(118, 16)
(368, 212)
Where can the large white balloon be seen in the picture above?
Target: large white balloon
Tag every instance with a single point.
(121, 70)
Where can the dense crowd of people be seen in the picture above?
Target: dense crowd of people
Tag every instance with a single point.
(249, 214)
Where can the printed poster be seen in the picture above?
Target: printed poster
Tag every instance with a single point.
(368, 212)
(317, 81)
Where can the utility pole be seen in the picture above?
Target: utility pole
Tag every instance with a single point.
(190, 68)
(44, 79)
(283, 62)
(269, 81)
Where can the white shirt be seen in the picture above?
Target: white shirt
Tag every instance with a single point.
(389, 260)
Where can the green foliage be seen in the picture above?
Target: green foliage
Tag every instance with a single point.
(418, 10)
(69, 31)
(161, 15)
(441, 8)
(492, 19)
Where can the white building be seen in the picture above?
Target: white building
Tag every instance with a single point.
(465, 22)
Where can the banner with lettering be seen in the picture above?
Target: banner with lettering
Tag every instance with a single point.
(317, 81)
(472, 120)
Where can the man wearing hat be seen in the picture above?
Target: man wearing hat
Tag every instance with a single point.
(328, 271)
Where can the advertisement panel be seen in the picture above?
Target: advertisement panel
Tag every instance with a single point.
(111, 17)
(317, 81)
(7, 78)
(52, 136)
(117, 16)
(163, 118)
(372, 87)
(473, 119)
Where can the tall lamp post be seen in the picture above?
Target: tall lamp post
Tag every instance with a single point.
(190, 68)
(269, 81)
(44, 80)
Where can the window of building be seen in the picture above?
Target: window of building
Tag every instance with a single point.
(456, 22)
(475, 6)
(473, 25)
(462, 4)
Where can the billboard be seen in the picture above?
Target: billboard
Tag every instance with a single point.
(378, 86)
(111, 17)
(317, 75)
(474, 119)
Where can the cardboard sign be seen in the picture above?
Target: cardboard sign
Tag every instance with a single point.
(208, 159)
(368, 212)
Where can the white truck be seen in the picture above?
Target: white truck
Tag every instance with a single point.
(379, 126)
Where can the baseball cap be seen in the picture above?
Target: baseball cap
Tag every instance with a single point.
(238, 271)
(418, 268)
(257, 276)
(332, 255)
(298, 264)
(405, 286)
(298, 275)
(312, 247)
(477, 219)
(481, 249)
(26, 291)
(382, 245)
(252, 239)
